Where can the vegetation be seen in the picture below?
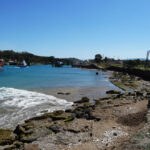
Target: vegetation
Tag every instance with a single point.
(132, 63)
(127, 64)
(102, 62)
(98, 58)
(10, 55)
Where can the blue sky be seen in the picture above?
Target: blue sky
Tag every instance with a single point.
(76, 28)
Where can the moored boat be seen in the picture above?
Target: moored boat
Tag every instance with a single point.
(23, 64)
(1, 62)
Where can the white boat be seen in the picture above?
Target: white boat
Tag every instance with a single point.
(24, 64)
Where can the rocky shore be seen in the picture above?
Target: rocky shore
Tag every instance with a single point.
(111, 123)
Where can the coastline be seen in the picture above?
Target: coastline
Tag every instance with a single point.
(84, 126)
(23, 101)
(73, 94)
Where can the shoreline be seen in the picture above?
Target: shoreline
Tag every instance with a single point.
(73, 94)
(84, 126)
(68, 94)
(85, 123)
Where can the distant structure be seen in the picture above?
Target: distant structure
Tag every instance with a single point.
(58, 64)
(147, 56)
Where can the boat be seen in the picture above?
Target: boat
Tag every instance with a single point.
(23, 64)
(1, 62)
(12, 63)
(58, 64)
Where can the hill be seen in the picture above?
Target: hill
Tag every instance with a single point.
(8, 55)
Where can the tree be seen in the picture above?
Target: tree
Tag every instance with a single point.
(98, 58)
(105, 59)
(52, 59)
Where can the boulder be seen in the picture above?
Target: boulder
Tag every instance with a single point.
(55, 128)
(83, 100)
(45, 116)
(68, 110)
(148, 105)
(60, 93)
(139, 93)
(113, 92)
(6, 137)
(67, 93)
(19, 130)
(84, 112)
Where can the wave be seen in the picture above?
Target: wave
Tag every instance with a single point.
(22, 104)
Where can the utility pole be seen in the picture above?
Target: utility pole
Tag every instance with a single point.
(147, 56)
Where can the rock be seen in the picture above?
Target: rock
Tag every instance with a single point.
(119, 95)
(85, 112)
(36, 133)
(19, 130)
(113, 92)
(6, 137)
(139, 93)
(58, 112)
(109, 102)
(148, 105)
(59, 117)
(45, 116)
(68, 110)
(148, 116)
(9, 147)
(81, 112)
(67, 93)
(148, 93)
(28, 126)
(15, 146)
(131, 94)
(73, 131)
(28, 138)
(18, 144)
(99, 102)
(114, 134)
(70, 118)
(31, 147)
(60, 93)
(83, 100)
(55, 128)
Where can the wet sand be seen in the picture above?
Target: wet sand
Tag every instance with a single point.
(76, 93)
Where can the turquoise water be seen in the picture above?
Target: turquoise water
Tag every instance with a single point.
(18, 102)
(45, 76)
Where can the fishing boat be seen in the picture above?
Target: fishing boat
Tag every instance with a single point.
(1, 62)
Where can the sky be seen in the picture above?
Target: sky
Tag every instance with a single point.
(76, 28)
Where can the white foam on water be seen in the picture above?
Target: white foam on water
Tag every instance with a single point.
(22, 104)
(25, 99)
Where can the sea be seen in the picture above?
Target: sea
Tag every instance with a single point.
(18, 102)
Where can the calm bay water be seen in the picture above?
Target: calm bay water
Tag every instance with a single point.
(45, 76)
(18, 102)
